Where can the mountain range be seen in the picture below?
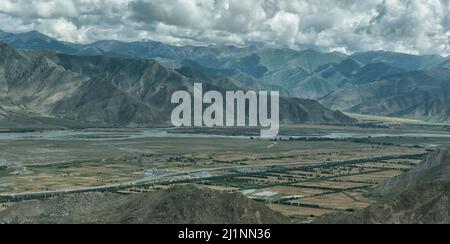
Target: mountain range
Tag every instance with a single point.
(422, 94)
(372, 83)
(112, 91)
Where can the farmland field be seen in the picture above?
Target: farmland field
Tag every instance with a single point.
(302, 176)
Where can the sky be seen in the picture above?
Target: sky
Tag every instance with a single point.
(409, 26)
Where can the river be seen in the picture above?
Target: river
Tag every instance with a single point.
(163, 133)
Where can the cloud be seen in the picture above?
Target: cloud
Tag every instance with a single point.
(413, 26)
(39, 9)
(285, 26)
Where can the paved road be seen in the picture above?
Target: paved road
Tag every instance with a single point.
(169, 177)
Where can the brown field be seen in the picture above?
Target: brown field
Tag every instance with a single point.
(298, 212)
(377, 177)
(337, 201)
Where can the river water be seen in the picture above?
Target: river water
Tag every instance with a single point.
(160, 133)
(103, 135)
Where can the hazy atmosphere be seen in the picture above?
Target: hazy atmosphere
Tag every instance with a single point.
(419, 27)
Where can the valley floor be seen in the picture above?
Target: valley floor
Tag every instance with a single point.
(309, 171)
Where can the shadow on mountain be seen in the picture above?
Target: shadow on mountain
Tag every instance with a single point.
(180, 205)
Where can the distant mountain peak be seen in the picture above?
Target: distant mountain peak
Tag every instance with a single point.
(37, 40)
(35, 35)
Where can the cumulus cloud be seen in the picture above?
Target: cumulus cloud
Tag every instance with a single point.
(413, 26)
